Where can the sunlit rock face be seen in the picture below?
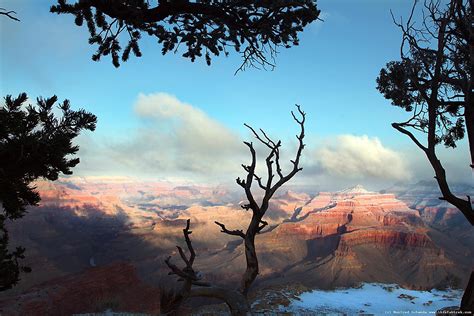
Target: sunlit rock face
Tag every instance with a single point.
(356, 235)
(319, 239)
(342, 212)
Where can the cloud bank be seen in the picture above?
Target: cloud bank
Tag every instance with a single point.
(176, 140)
(180, 137)
(353, 159)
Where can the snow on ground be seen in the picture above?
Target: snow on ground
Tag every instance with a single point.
(375, 298)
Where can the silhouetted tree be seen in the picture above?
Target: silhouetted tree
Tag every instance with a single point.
(34, 143)
(434, 81)
(205, 27)
(236, 299)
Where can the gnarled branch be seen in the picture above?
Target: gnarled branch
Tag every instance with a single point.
(171, 300)
(230, 232)
(9, 14)
(257, 224)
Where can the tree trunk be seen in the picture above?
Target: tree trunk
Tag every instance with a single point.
(236, 301)
(464, 206)
(251, 271)
(251, 259)
(469, 96)
(469, 118)
(467, 302)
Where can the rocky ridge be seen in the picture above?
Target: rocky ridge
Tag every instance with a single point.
(326, 240)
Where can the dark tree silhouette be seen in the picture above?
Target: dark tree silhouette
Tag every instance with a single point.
(434, 81)
(236, 299)
(34, 143)
(205, 27)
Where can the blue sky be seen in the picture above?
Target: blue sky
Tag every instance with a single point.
(331, 74)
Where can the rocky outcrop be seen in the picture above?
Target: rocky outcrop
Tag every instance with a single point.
(385, 238)
(324, 240)
(115, 287)
(364, 236)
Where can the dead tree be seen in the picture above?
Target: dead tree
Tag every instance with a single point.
(171, 300)
(236, 299)
(434, 81)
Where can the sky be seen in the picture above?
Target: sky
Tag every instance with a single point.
(164, 117)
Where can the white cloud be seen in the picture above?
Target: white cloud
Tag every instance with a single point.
(189, 130)
(175, 139)
(455, 161)
(359, 158)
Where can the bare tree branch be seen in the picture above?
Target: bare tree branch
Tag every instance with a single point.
(258, 211)
(247, 184)
(399, 128)
(259, 181)
(264, 224)
(186, 273)
(8, 14)
(230, 232)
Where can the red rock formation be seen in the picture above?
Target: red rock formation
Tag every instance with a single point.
(115, 287)
(335, 239)
(385, 238)
(306, 230)
(364, 237)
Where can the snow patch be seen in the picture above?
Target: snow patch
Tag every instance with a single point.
(374, 298)
(358, 189)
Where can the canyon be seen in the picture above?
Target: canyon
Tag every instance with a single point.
(106, 234)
